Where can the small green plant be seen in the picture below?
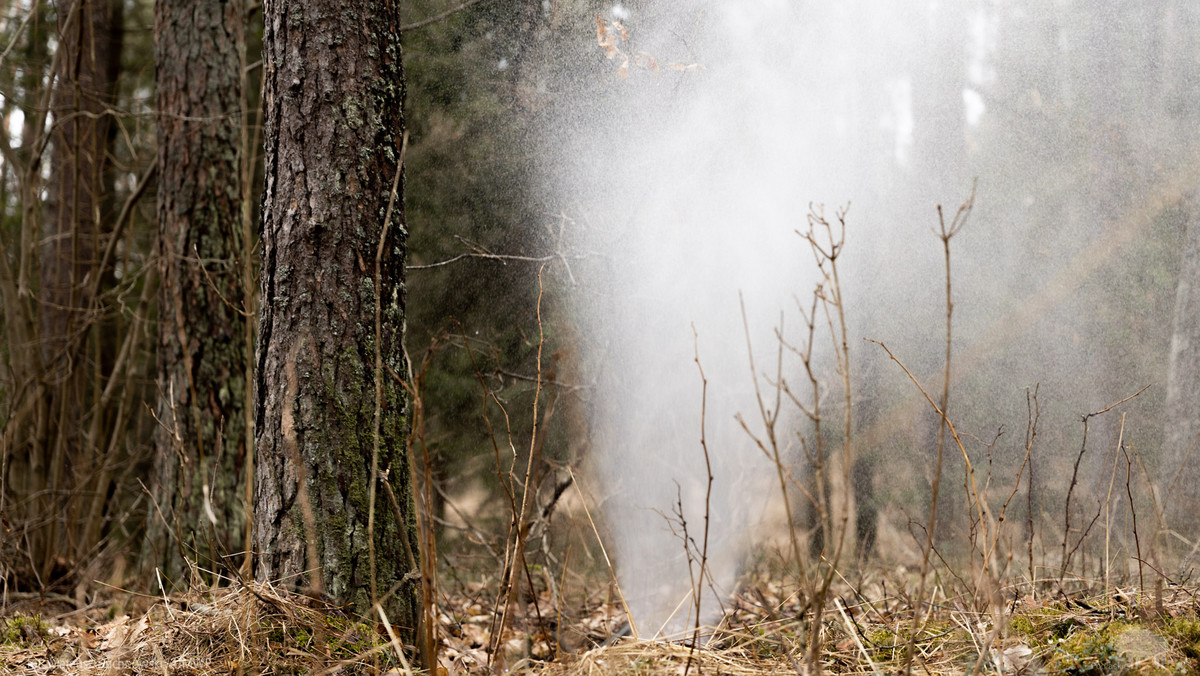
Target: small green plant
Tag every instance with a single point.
(1087, 652)
(883, 643)
(342, 638)
(23, 629)
(1022, 626)
(1185, 633)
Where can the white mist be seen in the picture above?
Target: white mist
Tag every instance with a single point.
(694, 183)
(687, 188)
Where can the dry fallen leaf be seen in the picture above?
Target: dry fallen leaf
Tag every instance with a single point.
(608, 35)
(116, 633)
(644, 60)
(606, 39)
(475, 635)
(621, 31)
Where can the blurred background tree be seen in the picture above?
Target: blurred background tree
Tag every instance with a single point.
(206, 301)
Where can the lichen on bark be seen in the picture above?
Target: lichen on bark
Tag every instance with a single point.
(333, 133)
(201, 440)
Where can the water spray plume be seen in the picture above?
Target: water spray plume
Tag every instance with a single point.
(689, 149)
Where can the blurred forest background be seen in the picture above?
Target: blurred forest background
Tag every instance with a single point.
(1080, 117)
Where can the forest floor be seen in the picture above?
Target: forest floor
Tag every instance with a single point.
(867, 628)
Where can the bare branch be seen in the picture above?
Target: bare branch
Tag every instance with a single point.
(437, 17)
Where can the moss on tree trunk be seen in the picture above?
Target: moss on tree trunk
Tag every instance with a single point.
(333, 92)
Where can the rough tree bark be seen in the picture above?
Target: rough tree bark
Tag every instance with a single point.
(332, 308)
(200, 445)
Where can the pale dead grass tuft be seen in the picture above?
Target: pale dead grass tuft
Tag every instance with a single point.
(253, 628)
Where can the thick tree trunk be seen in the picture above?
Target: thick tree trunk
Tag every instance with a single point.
(200, 445)
(333, 304)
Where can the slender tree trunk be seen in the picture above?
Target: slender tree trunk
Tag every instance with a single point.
(1180, 462)
(1181, 455)
(940, 175)
(200, 445)
(77, 192)
(78, 214)
(330, 404)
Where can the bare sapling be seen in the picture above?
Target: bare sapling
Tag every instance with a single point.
(945, 234)
(504, 477)
(1025, 469)
(699, 580)
(1160, 529)
(1033, 413)
(1137, 543)
(990, 546)
(1067, 555)
(768, 442)
(521, 493)
(985, 581)
(827, 241)
(424, 565)
(378, 372)
(1121, 449)
(830, 492)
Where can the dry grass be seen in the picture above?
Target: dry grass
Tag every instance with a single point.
(255, 629)
(1087, 634)
(260, 629)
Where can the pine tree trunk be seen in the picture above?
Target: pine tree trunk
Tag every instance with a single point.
(333, 306)
(200, 445)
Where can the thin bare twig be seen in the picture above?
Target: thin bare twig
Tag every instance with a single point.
(697, 587)
(516, 565)
(437, 17)
(501, 258)
(1066, 556)
(373, 477)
